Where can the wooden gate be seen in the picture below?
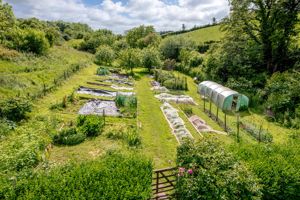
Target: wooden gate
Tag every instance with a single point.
(164, 181)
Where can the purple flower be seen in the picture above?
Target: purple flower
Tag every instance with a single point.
(190, 171)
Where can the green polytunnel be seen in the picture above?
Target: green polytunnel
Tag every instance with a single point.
(223, 97)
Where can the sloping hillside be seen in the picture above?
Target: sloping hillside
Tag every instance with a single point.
(31, 76)
(204, 34)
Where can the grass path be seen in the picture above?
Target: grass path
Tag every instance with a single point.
(158, 141)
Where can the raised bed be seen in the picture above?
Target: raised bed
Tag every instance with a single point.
(176, 123)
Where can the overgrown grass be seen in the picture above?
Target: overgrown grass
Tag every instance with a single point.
(32, 76)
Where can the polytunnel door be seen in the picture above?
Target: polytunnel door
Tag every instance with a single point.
(234, 103)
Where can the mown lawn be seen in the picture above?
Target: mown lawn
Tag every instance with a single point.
(158, 141)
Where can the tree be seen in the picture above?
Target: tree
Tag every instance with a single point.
(7, 18)
(142, 36)
(130, 59)
(270, 24)
(104, 55)
(214, 20)
(151, 58)
(171, 46)
(94, 40)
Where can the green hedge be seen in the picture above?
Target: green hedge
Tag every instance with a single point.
(113, 177)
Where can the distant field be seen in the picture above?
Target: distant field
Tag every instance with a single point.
(204, 34)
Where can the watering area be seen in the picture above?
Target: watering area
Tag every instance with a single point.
(176, 123)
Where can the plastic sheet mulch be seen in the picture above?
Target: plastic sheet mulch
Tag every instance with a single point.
(102, 93)
(99, 107)
(116, 87)
(201, 126)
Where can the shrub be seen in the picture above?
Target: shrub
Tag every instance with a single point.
(283, 95)
(129, 135)
(169, 80)
(34, 41)
(124, 100)
(207, 171)
(5, 127)
(169, 64)
(90, 125)
(115, 176)
(102, 71)
(68, 136)
(133, 138)
(188, 111)
(14, 109)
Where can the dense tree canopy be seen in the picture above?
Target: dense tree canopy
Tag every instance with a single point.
(142, 36)
(94, 40)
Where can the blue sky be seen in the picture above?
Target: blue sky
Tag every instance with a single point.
(121, 15)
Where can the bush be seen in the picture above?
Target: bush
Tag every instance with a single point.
(102, 71)
(90, 125)
(128, 135)
(133, 138)
(169, 64)
(68, 136)
(188, 111)
(34, 41)
(115, 176)
(207, 171)
(14, 109)
(5, 127)
(124, 100)
(169, 80)
(283, 96)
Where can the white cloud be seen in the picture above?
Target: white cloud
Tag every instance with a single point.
(119, 16)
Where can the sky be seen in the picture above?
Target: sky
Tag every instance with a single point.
(122, 15)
